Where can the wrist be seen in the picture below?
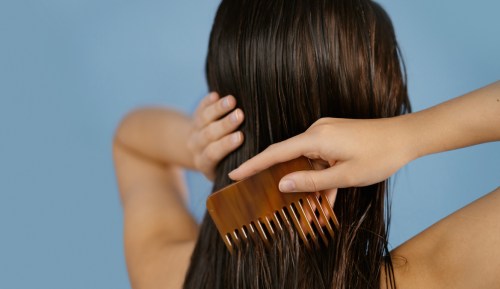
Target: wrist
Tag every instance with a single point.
(410, 143)
(188, 145)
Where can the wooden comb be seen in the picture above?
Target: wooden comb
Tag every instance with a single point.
(254, 207)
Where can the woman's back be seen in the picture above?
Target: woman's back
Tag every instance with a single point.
(289, 63)
(454, 253)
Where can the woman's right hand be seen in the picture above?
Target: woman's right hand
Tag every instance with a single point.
(212, 136)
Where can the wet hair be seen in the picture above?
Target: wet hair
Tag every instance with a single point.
(289, 63)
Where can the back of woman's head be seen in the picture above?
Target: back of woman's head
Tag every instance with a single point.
(289, 63)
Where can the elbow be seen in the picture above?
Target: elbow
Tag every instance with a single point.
(123, 127)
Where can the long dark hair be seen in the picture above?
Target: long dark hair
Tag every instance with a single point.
(289, 63)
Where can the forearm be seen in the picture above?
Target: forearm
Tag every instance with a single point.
(150, 147)
(159, 134)
(471, 119)
(148, 154)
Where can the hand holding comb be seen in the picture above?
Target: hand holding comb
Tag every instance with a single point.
(255, 208)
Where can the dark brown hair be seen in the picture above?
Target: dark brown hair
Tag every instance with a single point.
(289, 63)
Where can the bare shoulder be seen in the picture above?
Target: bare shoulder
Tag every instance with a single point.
(460, 251)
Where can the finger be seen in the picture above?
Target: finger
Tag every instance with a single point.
(218, 129)
(215, 110)
(206, 101)
(314, 181)
(209, 99)
(331, 195)
(277, 153)
(216, 151)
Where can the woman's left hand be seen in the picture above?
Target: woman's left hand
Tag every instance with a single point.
(213, 133)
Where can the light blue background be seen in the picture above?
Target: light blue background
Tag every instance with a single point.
(69, 70)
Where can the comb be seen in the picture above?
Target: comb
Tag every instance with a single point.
(255, 208)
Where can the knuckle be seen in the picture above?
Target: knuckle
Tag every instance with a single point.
(210, 155)
(197, 121)
(198, 163)
(209, 113)
(321, 130)
(310, 182)
(227, 123)
(319, 122)
(202, 119)
(322, 122)
(207, 134)
(190, 144)
(205, 156)
(229, 141)
(313, 155)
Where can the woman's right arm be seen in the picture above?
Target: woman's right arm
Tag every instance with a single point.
(361, 152)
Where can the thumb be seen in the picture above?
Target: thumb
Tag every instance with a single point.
(316, 180)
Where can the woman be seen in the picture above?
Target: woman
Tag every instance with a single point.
(288, 64)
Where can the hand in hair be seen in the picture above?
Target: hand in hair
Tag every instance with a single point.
(359, 152)
(362, 152)
(213, 136)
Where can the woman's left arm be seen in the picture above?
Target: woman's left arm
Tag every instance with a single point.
(150, 149)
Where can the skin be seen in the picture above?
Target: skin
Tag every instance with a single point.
(360, 154)
(159, 232)
(460, 251)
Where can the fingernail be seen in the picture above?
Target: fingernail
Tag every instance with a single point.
(234, 117)
(225, 102)
(287, 186)
(235, 138)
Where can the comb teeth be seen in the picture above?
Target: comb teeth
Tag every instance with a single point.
(255, 209)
